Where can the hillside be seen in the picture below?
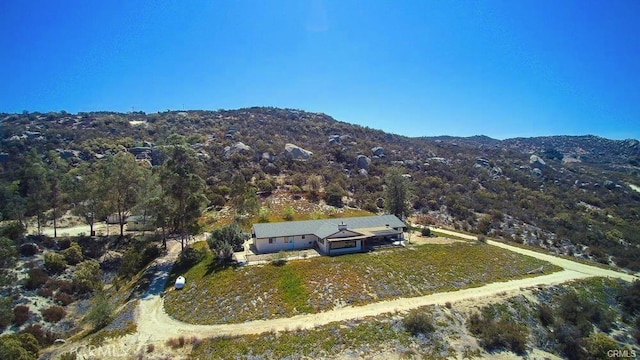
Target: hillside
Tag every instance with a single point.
(571, 194)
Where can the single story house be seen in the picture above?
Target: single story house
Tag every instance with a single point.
(140, 223)
(328, 236)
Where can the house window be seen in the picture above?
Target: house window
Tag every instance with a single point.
(343, 244)
(272, 240)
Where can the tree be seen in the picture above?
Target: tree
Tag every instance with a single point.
(334, 194)
(36, 187)
(184, 187)
(243, 196)
(8, 253)
(13, 205)
(229, 234)
(87, 193)
(56, 172)
(121, 181)
(396, 193)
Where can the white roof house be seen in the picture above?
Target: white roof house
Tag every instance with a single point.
(328, 236)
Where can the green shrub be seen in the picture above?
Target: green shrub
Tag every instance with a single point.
(73, 254)
(8, 253)
(598, 345)
(54, 263)
(101, 312)
(288, 213)
(35, 279)
(18, 347)
(86, 277)
(13, 230)
(425, 231)
(418, 322)
(6, 311)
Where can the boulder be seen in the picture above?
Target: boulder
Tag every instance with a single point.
(496, 172)
(378, 151)
(363, 172)
(609, 184)
(362, 162)
(268, 157)
(296, 153)
(334, 140)
(236, 149)
(536, 172)
(536, 161)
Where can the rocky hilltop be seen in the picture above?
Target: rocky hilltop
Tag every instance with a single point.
(572, 194)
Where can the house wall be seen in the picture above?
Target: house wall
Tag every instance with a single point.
(298, 243)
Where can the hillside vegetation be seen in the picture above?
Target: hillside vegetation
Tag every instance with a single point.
(573, 195)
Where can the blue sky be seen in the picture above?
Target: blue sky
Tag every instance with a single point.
(498, 68)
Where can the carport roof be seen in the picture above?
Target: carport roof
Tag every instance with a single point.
(325, 227)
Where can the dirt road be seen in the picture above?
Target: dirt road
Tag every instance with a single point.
(154, 325)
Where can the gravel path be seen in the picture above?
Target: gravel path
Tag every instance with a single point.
(154, 325)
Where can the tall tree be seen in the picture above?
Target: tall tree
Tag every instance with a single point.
(122, 177)
(86, 193)
(396, 192)
(36, 187)
(184, 187)
(56, 172)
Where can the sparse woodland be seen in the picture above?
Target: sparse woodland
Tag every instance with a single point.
(220, 171)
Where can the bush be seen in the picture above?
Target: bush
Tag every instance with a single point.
(20, 314)
(545, 314)
(288, 213)
(101, 311)
(189, 257)
(149, 253)
(73, 254)
(43, 336)
(28, 249)
(62, 298)
(13, 230)
(130, 264)
(36, 278)
(54, 263)
(629, 298)
(501, 334)
(418, 322)
(53, 314)
(6, 313)
(45, 292)
(18, 347)
(425, 231)
(8, 253)
(597, 346)
(86, 277)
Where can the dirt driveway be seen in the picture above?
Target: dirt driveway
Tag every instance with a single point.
(154, 326)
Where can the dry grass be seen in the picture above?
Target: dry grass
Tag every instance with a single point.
(216, 294)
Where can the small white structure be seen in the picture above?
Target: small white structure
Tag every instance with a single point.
(180, 282)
